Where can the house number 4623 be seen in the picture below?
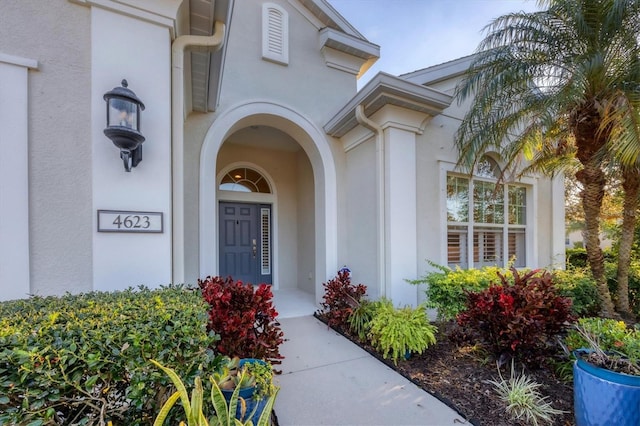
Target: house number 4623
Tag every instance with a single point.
(127, 221)
(132, 221)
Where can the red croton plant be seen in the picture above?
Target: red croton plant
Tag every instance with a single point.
(340, 298)
(244, 317)
(518, 319)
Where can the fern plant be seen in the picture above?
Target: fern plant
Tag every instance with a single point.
(396, 332)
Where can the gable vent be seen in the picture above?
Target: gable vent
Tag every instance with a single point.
(275, 34)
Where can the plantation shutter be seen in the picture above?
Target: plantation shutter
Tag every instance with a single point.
(265, 245)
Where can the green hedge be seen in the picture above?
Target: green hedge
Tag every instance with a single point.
(85, 358)
(578, 285)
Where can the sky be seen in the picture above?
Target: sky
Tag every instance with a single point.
(415, 34)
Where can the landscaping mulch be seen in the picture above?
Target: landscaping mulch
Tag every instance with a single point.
(457, 374)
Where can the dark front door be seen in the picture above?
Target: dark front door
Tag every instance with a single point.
(245, 242)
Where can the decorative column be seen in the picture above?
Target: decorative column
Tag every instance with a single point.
(401, 126)
(14, 177)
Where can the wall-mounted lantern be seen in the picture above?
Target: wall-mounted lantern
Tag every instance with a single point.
(123, 124)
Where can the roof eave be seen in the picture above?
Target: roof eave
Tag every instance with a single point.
(385, 89)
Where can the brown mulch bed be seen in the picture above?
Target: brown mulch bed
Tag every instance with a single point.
(457, 374)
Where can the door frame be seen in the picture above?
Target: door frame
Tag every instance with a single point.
(251, 198)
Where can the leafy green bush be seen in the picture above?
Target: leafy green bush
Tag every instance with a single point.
(518, 319)
(576, 258)
(394, 332)
(84, 359)
(447, 289)
(578, 285)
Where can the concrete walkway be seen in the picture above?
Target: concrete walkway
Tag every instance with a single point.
(327, 380)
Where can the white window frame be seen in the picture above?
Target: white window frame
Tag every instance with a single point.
(531, 238)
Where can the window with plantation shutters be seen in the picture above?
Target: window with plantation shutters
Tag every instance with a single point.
(275, 34)
(486, 220)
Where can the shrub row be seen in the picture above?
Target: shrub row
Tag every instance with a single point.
(393, 332)
(84, 359)
(447, 289)
(511, 313)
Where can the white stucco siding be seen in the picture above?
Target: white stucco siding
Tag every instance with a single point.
(433, 147)
(306, 83)
(306, 224)
(125, 47)
(400, 189)
(59, 120)
(361, 226)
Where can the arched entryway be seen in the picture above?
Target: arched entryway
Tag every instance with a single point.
(304, 214)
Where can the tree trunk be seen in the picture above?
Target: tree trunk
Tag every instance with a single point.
(631, 186)
(593, 181)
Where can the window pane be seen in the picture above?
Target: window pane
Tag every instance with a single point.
(517, 246)
(245, 180)
(517, 205)
(457, 199)
(488, 202)
(457, 246)
(487, 167)
(487, 247)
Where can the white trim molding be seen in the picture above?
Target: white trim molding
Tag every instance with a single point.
(14, 176)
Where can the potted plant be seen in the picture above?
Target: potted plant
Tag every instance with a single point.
(254, 380)
(606, 374)
(229, 406)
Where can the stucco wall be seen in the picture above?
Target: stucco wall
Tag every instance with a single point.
(361, 217)
(305, 84)
(60, 200)
(122, 260)
(306, 224)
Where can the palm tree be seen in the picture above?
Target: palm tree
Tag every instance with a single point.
(631, 186)
(564, 79)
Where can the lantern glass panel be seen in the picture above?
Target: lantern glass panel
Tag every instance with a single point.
(123, 113)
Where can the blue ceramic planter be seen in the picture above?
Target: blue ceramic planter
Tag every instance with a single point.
(247, 395)
(603, 397)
